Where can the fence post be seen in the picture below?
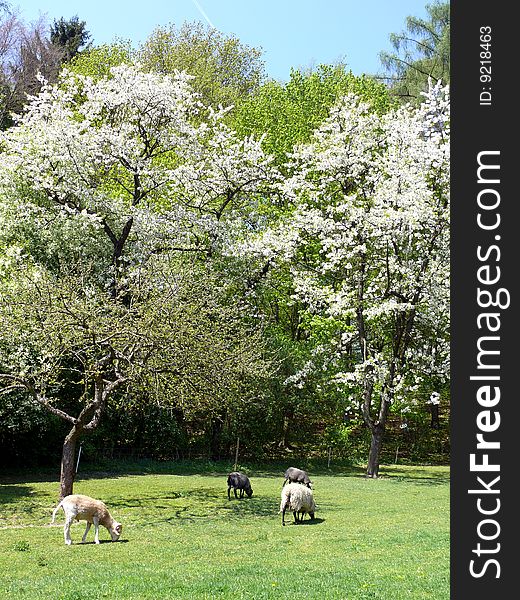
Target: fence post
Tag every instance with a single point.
(79, 455)
(236, 454)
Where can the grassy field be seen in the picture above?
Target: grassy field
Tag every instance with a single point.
(182, 538)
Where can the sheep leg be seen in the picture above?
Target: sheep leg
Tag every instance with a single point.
(295, 513)
(283, 515)
(66, 531)
(235, 490)
(228, 490)
(86, 531)
(241, 493)
(96, 529)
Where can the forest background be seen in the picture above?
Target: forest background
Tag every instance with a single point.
(195, 266)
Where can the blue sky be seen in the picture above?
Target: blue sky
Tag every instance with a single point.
(291, 33)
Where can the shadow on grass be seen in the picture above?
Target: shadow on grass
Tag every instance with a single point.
(28, 476)
(10, 493)
(314, 521)
(193, 505)
(420, 476)
(92, 543)
(253, 507)
(203, 467)
(113, 469)
(157, 500)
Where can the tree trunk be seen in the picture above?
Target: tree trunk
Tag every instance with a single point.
(287, 423)
(375, 450)
(215, 439)
(68, 468)
(434, 423)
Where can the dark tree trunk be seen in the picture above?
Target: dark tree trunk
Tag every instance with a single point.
(216, 433)
(68, 467)
(118, 244)
(286, 428)
(434, 423)
(375, 449)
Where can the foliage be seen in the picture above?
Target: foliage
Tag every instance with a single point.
(212, 547)
(124, 153)
(288, 113)
(366, 246)
(117, 164)
(70, 35)
(199, 283)
(225, 70)
(421, 53)
(26, 53)
(96, 62)
(29, 436)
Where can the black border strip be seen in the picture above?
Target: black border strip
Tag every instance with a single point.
(484, 120)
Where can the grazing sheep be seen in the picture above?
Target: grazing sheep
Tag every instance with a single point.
(294, 475)
(87, 509)
(299, 499)
(239, 481)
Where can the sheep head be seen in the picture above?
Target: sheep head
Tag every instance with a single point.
(115, 531)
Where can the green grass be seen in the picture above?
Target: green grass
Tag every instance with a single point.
(182, 538)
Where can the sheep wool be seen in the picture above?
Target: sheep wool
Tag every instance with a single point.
(77, 506)
(294, 475)
(299, 499)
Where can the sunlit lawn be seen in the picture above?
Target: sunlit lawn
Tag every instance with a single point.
(182, 538)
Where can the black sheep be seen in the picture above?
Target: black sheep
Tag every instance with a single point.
(294, 475)
(239, 481)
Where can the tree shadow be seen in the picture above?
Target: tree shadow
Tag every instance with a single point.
(10, 493)
(418, 476)
(194, 505)
(252, 507)
(29, 476)
(157, 500)
(269, 469)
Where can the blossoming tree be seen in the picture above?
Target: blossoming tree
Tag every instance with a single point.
(139, 155)
(367, 247)
(126, 172)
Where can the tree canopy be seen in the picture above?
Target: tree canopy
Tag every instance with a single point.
(70, 35)
(288, 113)
(421, 52)
(198, 253)
(367, 247)
(224, 68)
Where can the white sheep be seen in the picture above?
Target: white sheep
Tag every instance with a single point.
(298, 498)
(77, 506)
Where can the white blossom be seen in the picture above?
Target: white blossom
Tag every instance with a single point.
(369, 236)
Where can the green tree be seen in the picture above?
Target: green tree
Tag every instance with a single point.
(421, 52)
(367, 248)
(69, 35)
(288, 113)
(74, 349)
(225, 70)
(96, 62)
